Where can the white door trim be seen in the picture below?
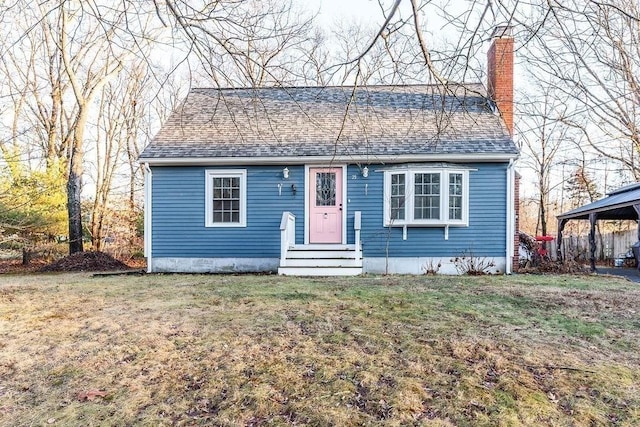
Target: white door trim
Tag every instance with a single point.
(307, 189)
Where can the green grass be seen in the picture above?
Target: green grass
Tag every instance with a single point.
(269, 350)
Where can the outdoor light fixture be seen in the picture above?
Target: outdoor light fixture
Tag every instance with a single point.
(285, 173)
(365, 172)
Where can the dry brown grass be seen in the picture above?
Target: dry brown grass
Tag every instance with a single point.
(265, 350)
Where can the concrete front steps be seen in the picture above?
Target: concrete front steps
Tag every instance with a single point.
(321, 260)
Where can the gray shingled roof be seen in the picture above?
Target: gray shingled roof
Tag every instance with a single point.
(380, 121)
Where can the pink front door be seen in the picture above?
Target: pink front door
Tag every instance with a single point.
(325, 205)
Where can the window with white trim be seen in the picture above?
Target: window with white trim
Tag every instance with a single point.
(426, 197)
(226, 198)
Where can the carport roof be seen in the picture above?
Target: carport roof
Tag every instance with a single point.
(619, 204)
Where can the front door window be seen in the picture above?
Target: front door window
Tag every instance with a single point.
(325, 189)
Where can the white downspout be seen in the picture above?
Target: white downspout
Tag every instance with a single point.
(510, 217)
(147, 216)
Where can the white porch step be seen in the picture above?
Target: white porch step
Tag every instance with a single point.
(324, 262)
(320, 271)
(318, 259)
(323, 247)
(321, 260)
(320, 254)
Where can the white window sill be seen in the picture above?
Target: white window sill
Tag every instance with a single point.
(223, 225)
(427, 224)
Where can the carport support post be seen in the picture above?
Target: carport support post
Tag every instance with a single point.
(637, 209)
(561, 224)
(593, 217)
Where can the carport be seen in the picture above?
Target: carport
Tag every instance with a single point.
(623, 203)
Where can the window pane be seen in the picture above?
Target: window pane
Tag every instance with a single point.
(455, 196)
(426, 196)
(325, 189)
(226, 199)
(397, 197)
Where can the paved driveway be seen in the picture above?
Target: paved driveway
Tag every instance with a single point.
(630, 273)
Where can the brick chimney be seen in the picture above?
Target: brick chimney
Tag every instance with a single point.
(500, 73)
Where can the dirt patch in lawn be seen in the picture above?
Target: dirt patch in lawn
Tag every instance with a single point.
(86, 261)
(13, 266)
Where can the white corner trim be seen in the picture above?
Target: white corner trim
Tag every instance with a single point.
(510, 219)
(148, 182)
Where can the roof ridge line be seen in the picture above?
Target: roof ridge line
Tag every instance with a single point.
(463, 84)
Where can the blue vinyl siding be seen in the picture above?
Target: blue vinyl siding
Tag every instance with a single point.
(485, 235)
(178, 215)
(178, 200)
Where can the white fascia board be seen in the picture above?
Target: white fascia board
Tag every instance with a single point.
(469, 157)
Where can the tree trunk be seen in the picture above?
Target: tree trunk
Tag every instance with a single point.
(97, 226)
(74, 193)
(26, 256)
(543, 216)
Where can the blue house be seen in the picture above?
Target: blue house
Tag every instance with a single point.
(336, 180)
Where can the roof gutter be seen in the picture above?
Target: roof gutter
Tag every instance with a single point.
(367, 159)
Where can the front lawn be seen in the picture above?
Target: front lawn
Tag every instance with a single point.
(268, 350)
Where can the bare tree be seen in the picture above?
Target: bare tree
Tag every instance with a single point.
(545, 140)
(61, 61)
(589, 52)
(76, 51)
(125, 123)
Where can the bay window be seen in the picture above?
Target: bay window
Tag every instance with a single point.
(426, 197)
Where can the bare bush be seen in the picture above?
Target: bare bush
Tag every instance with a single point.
(472, 265)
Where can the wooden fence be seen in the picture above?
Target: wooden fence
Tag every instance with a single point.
(608, 245)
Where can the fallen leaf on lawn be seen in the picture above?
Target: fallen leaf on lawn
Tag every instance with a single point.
(91, 395)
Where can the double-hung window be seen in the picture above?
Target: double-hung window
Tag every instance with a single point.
(426, 197)
(226, 198)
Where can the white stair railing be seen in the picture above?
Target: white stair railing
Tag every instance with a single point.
(356, 226)
(287, 235)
